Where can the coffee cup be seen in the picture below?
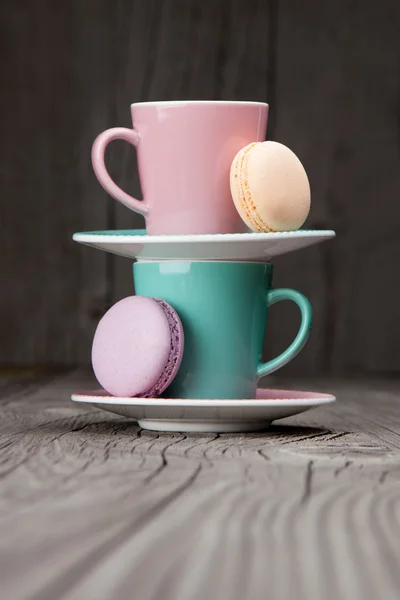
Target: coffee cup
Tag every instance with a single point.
(184, 153)
(223, 307)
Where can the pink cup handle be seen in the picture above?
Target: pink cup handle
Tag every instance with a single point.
(99, 167)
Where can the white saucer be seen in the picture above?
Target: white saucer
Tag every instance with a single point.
(213, 416)
(256, 247)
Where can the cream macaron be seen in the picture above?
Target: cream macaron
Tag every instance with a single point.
(270, 187)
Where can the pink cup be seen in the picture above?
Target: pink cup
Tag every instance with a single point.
(184, 153)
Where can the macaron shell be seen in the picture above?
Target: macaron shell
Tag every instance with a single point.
(270, 187)
(131, 346)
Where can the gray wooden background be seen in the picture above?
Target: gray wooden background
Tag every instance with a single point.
(330, 71)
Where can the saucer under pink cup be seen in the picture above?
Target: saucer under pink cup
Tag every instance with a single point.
(184, 152)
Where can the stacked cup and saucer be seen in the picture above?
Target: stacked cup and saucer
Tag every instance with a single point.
(185, 353)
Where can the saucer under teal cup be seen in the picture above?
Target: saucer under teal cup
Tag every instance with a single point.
(223, 307)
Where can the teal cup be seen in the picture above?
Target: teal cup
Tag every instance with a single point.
(223, 307)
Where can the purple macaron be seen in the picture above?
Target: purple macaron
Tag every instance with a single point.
(138, 347)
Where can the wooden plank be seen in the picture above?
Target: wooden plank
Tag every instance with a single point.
(337, 107)
(96, 70)
(205, 51)
(192, 51)
(365, 183)
(331, 74)
(91, 506)
(306, 76)
(136, 26)
(40, 187)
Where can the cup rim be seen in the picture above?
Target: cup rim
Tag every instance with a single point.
(167, 103)
(189, 260)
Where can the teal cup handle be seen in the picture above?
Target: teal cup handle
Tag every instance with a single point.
(274, 296)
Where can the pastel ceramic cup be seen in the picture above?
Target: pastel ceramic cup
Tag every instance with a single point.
(223, 307)
(184, 153)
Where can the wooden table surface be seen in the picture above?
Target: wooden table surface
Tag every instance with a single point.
(93, 507)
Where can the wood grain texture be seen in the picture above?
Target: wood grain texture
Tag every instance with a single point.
(194, 50)
(40, 186)
(95, 74)
(364, 186)
(337, 104)
(331, 73)
(91, 506)
(307, 75)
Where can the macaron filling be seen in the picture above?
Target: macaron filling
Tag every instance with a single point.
(175, 354)
(244, 192)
